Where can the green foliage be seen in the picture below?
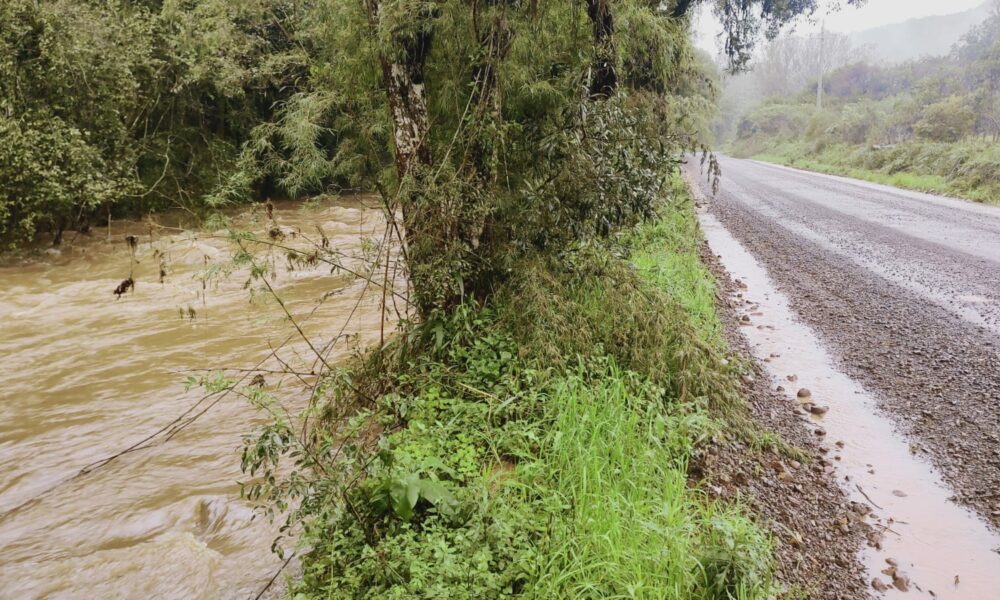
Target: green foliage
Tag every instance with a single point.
(48, 173)
(491, 464)
(128, 107)
(617, 458)
(947, 121)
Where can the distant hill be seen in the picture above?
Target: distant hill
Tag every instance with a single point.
(927, 36)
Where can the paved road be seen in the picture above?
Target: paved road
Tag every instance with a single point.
(905, 289)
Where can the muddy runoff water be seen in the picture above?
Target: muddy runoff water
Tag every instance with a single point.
(922, 542)
(85, 375)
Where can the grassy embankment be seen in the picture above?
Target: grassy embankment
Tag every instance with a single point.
(539, 446)
(969, 170)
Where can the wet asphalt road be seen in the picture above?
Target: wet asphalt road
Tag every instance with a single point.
(905, 290)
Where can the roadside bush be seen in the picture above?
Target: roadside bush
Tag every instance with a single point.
(947, 121)
(855, 123)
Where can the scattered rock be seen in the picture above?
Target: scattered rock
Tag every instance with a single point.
(804, 393)
(818, 410)
(900, 582)
(899, 493)
(878, 585)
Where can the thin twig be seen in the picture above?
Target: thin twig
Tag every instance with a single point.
(274, 577)
(870, 501)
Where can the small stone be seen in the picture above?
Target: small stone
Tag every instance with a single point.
(878, 585)
(804, 393)
(901, 582)
(820, 432)
(818, 410)
(781, 388)
(899, 493)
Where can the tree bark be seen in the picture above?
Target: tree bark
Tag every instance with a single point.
(405, 91)
(681, 8)
(604, 77)
(428, 234)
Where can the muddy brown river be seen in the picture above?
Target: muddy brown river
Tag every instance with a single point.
(85, 375)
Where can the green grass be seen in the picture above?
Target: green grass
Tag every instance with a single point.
(538, 446)
(967, 170)
(666, 253)
(635, 529)
(934, 184)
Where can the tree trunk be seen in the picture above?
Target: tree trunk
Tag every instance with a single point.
(430, 222)
(404, 83)
(604, 78)
(494, 43)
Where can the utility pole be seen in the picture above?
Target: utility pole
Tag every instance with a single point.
(819, 83)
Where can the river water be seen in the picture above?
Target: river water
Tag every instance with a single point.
(84, 375)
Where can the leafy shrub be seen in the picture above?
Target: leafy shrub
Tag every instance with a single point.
(49, 176)
(947, 121)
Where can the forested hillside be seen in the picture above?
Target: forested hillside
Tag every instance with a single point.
(918, 38)
(931, 124)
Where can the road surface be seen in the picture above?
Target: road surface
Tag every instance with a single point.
(903, 287)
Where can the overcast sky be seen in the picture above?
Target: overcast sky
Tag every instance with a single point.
(873, 14)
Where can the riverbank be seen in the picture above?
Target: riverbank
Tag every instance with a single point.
(567, 439)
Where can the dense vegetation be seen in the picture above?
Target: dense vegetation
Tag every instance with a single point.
(529, 433)
(537, 445)
(931, 124)
(127, 107)
(528, 430)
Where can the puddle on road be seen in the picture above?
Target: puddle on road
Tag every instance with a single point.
(935, 542)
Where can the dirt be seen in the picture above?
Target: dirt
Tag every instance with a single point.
(926, 345)
(817, 531)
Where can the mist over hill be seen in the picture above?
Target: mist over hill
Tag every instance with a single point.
(926, 36)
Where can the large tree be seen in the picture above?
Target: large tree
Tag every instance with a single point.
(459, 76)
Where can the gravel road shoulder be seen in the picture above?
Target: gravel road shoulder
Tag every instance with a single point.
(935, 375)
(817, 531)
